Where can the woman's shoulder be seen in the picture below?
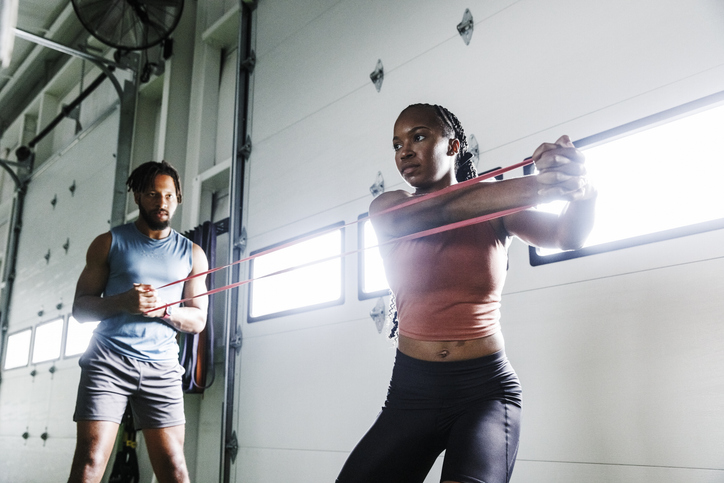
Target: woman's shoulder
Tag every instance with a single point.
(387, 200)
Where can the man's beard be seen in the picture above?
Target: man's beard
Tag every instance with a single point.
(153, 224)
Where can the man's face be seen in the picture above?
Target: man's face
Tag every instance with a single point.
(158, 203)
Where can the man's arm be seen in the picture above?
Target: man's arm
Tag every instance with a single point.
(89, 305)
(191, 317)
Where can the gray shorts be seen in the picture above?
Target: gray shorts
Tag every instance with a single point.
(108, 380)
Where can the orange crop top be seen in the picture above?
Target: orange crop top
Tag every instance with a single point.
(448, 286)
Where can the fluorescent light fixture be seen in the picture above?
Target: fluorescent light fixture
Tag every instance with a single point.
(8, 21)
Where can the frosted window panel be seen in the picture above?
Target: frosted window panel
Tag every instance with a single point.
(17, 350)
(373, 279)
(300, 287)
(46, 346)
(662, 178)
(78, 337)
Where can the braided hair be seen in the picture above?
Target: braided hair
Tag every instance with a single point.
(142, 177)
(453, 129)
(464, 170)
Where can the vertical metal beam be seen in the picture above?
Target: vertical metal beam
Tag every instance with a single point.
(124, 151)
(11, 257)
(236, 200)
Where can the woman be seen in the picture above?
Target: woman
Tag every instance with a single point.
(452, 386)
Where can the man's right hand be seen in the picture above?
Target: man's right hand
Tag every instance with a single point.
(140, 299)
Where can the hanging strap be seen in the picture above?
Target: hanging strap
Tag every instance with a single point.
(197, 350)
(125, 466)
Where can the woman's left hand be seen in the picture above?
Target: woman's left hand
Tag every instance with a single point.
(561, 171)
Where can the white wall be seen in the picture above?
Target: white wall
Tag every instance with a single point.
(617, 352)
(45, 402)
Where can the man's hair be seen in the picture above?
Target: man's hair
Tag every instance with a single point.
(142, 177)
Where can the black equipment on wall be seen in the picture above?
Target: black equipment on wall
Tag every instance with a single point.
(196, 353)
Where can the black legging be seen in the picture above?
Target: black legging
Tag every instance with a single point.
(469, 408)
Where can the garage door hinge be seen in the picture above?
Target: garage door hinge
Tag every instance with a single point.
(245, 150)
(379, 185)
(378, 75)
(249, 63)
(235, 340)
(378, 314)
(465, 28)
(232, 446)
(240, 243)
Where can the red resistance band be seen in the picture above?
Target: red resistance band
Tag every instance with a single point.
(432, 231)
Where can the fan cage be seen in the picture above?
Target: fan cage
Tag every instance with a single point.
(129, 24)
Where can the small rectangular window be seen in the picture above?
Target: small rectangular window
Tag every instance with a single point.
(316, 283)
(48, 336)
(78, 336)
(17, 350)
(640, 170)
(372, 281)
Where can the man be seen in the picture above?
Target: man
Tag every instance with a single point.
(133, 355)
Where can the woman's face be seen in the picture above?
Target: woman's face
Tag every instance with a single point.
(424, 156)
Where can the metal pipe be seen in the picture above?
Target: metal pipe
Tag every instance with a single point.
(67, 109)
(11, 256)
(65, 49)
(124, 152)
(106, 66)
(6, 166)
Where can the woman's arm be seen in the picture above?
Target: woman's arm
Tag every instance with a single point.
(566, 231)
(561, 177)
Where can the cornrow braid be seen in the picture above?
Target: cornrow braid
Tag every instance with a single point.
(464, 170)
(142, 177)
(393, 316)
(464, 167)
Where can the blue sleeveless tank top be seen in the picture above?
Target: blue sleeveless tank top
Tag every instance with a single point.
(136, 258)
